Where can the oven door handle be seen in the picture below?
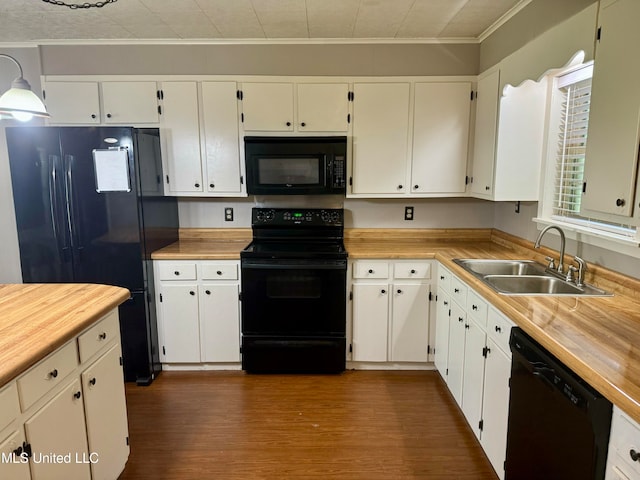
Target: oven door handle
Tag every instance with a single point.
(297, 265)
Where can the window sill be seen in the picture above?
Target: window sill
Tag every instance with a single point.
(627, 245)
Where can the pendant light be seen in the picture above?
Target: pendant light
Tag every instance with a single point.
(19, 101)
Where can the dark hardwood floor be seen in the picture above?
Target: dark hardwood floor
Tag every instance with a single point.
(357, 425)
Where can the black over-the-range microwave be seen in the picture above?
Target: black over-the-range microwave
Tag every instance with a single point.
(295, 165)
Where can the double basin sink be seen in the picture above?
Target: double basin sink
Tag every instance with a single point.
(525, 277)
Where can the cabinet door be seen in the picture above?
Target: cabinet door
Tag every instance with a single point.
(440, 137)
(220, 130)
(106, 414)
(130, 102)
(443, 315)
(267, 107)
(323, 107)
(473, 376)
(12, 465)
(219, 323)
(495, 406)
(370, 322)
(486, 127)
(455, 360)
(59, 428)
(180, 323)
(380, 137)
(612, 149)
(409, 322)
(181, 136)
(72, 102)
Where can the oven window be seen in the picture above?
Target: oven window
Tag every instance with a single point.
(294, 286)
(289, 170)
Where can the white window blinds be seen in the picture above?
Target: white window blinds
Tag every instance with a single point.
(572, 142)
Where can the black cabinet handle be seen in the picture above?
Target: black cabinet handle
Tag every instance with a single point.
(191, 292)
(466, 325)
(303, 124)
(383, 291)
(413, 271)
(92, 381)
(416, 187)
(93, 115)
(634, 455)
(399, 291)
(53, 373)
(108, 115)
(176, 272)
(460, 319)
(208, 292)
(219, 272)
(487, 188)
(456, 290)
(102, 336)
(441, 277)
(77, 395)
(197, 185)
(370, 270)
(445, 303)
(288, 124)
(211, 185)
(399, 187)
(620, 202)
(498, 329)
(474, 307)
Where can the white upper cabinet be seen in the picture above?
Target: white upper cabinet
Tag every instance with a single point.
(380, 138)
(114, 102)
(72, 102)
(509, 139)
(267, 107)
(220, 131)
(180, 131)
(323, 107)
(440, 137)
(130, 102)
(612, 149)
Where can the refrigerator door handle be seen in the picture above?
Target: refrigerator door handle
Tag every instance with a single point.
(69, 197)
(54, 162)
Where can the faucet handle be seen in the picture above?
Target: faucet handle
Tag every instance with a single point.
(552, 263)
(570, 271)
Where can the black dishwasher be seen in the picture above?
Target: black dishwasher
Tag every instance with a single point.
(558, 424)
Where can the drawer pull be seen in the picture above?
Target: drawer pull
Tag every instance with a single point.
(370, 270)
(498, 329)
(102, 336)
(635, 456)
(176, 273)
(77, 395)
(399, 291)
(383, 291)
(413, 271)
(191, 292)
(219, 272)
(92, 381)
(53, 373)
(208, 292)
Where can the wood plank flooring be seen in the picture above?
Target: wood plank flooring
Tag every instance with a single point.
(357, 425)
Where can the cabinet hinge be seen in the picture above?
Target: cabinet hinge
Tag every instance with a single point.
(449, 312)
(481, 424)
(239, 94)
(350, 96)
(430, 296)
(350, 295)
(446, 372)
(350, 181)
(159, 110)
(350, 348)
(44, 95)
(485, 351)
(126, 440)
(240, 296)
(599, 34)
(472, 95)
(466, 180)
(348, 118)
(584, 187)
(161, 94)
(158, 94)
(120, 361)
(242, 117)
(167, 178)
(164, 352)
(241, 180)
(160, 297)
(428, 349)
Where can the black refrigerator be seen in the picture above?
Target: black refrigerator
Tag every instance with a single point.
(90, 208)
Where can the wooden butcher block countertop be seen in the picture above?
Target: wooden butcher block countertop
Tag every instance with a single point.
(597, 337)
(36, 319)
(206, 244)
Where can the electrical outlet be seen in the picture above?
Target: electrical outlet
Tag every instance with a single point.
(228, 214)
(408, 213)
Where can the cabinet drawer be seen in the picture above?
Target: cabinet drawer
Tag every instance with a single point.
(9, 405)
(370, 269)
(499, 329)
(459, 291)
(98, 336)
(219, 271)
(46, 374)
(177, 271)
(625, 439)
(477, 308)
(444, 278)
(412, 270)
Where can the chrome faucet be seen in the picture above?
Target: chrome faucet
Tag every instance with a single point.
(562, 244)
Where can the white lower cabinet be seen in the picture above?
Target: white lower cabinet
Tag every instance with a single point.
(623, 460)
(391, 310)
(198, 311)
(14, 464)
(472, 355)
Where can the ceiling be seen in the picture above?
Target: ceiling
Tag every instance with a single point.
(234, 20)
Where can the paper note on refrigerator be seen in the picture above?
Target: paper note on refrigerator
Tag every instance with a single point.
(112, 170)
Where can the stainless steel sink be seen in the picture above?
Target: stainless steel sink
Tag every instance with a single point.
(524, 277)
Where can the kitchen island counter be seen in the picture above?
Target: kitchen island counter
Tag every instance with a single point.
(36, 319)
